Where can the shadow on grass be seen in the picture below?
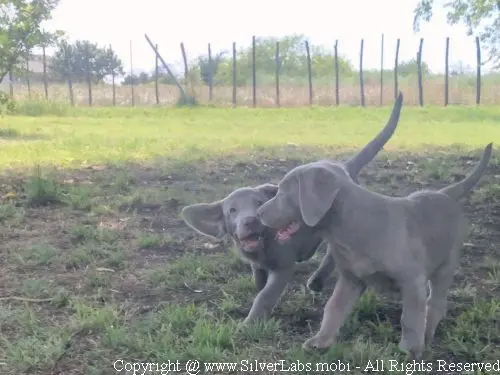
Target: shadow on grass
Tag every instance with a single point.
(13, 134)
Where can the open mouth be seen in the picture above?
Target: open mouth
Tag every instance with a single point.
(251, 241)
(284, 234)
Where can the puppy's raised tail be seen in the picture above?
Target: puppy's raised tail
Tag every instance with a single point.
(367, 153)
(461, 188)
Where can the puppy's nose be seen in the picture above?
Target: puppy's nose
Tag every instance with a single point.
(251, 223)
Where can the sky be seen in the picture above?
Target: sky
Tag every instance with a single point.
(222, 22)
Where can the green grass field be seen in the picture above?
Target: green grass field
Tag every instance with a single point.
(97, 269)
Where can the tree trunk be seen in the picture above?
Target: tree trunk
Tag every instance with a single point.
(3, 74)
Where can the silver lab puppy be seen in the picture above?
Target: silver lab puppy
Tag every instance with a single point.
(376, 239)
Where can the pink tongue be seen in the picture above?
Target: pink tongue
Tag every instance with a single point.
(251, 243)
(282, 234)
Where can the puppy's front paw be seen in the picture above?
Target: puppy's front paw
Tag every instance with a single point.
(315, 284)
(317, 344)
(414, 353)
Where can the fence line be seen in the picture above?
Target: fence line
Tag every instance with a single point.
(208, 74)
(337, 90)
(381, 69)
(478, 79)
(419, 68)
(278, 66)
(361, 81)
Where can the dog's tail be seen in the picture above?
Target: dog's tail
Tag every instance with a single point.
(358, 161)
(460, 188)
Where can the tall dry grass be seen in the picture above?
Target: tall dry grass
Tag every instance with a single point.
(462, 90)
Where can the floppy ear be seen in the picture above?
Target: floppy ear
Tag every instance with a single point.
(205, 218)
(317, 191)
(269, 190)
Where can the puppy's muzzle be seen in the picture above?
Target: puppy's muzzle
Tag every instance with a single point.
(249, 232)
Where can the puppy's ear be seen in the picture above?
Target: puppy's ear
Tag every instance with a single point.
(317, 191)
(205, 218)
(269, 190)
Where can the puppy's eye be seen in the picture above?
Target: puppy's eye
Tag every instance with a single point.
(232, 210)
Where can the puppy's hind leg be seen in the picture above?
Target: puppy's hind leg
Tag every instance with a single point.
(440, 283)
(414, 293)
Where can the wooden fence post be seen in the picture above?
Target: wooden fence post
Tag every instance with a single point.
(11, 83)
(165, 66)
(419, 67)
(132, 80)
(361, 84)
(45, 84)
(28, 75)
(446, 71)
(113, 83)
(396, 88)
(211, 74)
(382, 70)
(278, 68)
(234, 74)
(70, 72)
(184, 60)
(478, 73)
(254, 74)
(89, 77)
(336, 57)
(309, 73)
(157, 77)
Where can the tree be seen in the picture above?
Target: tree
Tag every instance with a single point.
(141, 79)
(20, 30)
(480, 16)
(208, 69)
(84, 59)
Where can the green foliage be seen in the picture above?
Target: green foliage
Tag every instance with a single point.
(7, 105)
(83, 57)
(208, 68)
(20, 29)
(41, 191)
(481, 17)
(293, 62)
(145, 78)
(410, 67)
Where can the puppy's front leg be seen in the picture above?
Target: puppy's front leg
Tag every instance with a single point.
(346, 293)
(414, 295)
(266, 299)
(260, 277)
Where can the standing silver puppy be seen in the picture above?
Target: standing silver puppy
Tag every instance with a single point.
(376, 239)
(272, 262)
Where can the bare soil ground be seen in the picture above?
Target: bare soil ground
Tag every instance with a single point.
(97, 266)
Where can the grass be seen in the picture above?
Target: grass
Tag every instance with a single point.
(98, 135)
(98, 271)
